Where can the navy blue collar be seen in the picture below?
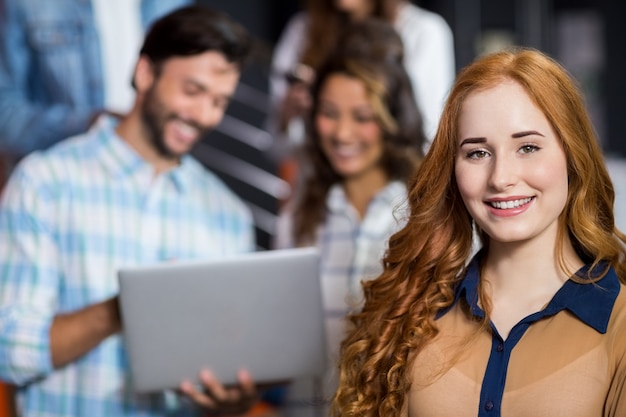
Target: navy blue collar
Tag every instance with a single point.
(592, 303)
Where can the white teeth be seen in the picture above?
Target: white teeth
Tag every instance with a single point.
(510, 204)
(186, 129)
(347, 151)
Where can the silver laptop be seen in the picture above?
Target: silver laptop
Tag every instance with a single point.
(260, 311)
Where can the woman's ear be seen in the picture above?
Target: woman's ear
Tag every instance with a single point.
(144, 75)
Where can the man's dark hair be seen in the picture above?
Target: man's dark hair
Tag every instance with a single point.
(193, 30)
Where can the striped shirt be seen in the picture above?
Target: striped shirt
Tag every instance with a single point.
(69, 218)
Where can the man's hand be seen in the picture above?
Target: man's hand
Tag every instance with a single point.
(218, 399)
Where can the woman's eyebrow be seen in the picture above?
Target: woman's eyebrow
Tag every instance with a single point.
(525, 133)
(473, 140)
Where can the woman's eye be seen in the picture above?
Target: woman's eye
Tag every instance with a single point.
(528, 149)
(364, 118)
(327, 113)
(477, 154)
(330, 116)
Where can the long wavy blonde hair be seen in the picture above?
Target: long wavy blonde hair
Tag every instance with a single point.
(370, 52)
(427, 258)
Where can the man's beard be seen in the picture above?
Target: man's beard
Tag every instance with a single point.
(155, 116)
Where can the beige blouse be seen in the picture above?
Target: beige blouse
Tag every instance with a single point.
(568, 360)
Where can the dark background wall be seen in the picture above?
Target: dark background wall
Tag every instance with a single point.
(586, 36)
(528, 22)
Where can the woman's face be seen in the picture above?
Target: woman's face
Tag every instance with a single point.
(349, 132)
(510, 167)
(357, 9)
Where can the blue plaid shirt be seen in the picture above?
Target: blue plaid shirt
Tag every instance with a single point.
(69, 218)
(351, 250)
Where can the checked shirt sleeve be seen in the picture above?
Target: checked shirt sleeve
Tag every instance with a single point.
(29, 278)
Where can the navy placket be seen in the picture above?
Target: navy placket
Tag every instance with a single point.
(492, 389)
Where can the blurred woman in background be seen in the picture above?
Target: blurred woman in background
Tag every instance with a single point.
(364, 143)
(310, 37)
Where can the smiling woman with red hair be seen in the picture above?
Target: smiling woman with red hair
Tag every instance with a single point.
(535, 323)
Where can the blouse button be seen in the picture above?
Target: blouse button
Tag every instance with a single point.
(500, 347)
(489, 405)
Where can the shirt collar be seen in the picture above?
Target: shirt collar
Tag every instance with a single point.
(592, 303)
(337, 200)
(121, 160)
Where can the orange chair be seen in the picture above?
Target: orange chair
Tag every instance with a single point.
(7, 400)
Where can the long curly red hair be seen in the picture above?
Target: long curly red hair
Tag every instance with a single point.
(427, 258)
